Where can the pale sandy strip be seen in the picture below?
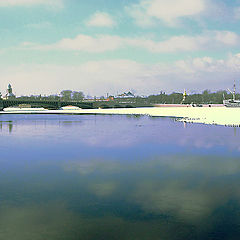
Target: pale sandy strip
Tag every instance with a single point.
(209, 115)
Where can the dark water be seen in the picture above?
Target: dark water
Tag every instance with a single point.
(117, 177)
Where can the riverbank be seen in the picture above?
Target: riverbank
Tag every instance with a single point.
(207, 115)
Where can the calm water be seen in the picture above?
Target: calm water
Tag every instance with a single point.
(117, 177)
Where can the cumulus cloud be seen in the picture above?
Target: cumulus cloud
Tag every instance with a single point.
(173, 9)
(138, 13)
(112, 76)
(102, 43)
(101, 19)
(12, 3)
(207, 64)
(88, 43)
(167, 11)
(95, 77)
(226, 37)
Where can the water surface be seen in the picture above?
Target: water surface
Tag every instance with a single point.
(117, 177)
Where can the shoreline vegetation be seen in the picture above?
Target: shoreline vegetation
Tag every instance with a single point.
(206, 97)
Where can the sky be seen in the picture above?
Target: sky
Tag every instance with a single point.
(112, 46)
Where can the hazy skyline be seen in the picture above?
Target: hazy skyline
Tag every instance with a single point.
(109, 46)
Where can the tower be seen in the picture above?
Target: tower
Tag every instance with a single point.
(234, 90)
(184, 97)
(10, 92)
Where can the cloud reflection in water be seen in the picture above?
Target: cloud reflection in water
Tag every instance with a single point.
(101, 177)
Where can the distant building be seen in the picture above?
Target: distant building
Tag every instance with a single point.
(126, 95)
(110, 98)
(9, 94)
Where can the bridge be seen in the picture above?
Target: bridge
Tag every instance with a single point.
(85, 104)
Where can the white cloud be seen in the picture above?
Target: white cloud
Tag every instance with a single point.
(199, 64)
(207, 64)
(89, 44)
(6, 3)
(95, 77)
(138, 13)
(112, 76)
(228, 38)
(101, 19)
(173, 9)
(103, 43)
(168, 11)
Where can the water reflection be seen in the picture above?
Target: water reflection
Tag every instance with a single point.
(9, 125)
(158, 198)
(122, 131)
(53, 222)
(180, 185)
(70, 178)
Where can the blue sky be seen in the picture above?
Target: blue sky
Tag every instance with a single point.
(108, 46)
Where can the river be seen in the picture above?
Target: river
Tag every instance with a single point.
(102, 177)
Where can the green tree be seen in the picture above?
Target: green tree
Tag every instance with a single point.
(66, 95)
(77, 96)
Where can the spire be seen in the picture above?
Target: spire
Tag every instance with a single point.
(234, 90)
(184, 96)
(185, 93)
(10, 92)
(9, 89)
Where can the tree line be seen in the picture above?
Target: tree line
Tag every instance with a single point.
(65, 95)
(206, 97)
